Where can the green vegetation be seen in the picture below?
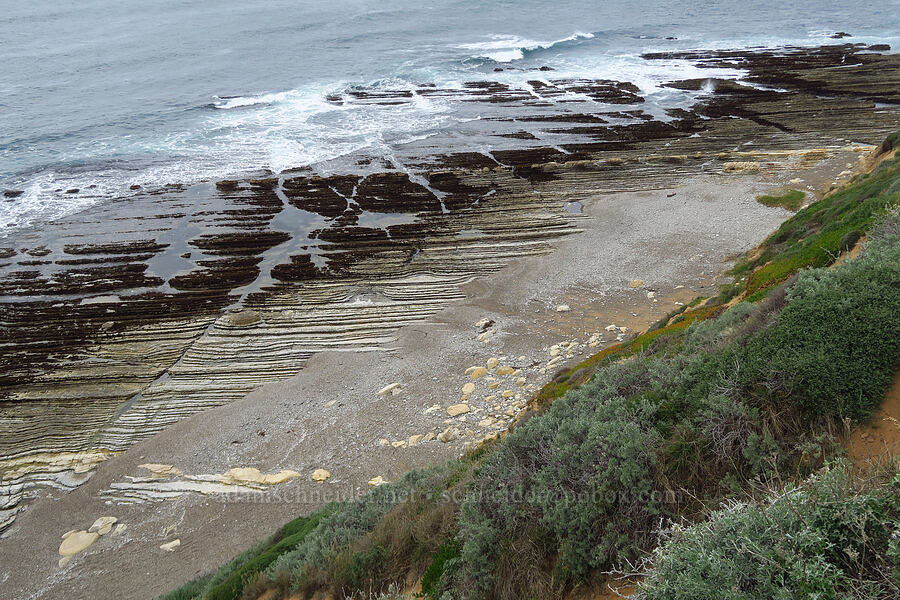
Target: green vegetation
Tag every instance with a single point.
(832, 537)
(791, 200)
(229, 581)
(701, 409)
(816, 235)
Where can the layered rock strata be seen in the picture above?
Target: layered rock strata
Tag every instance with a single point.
(118, 322)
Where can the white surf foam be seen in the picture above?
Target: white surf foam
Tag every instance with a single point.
(507, 48)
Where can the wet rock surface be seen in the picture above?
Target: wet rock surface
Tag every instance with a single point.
(115, 324)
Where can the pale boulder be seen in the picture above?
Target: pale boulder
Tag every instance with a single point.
(478, 373)
(448, 435)
(320, 475)
(77, 542)
(388, 389)
(103, 525)
(457, 409)
(170, 546)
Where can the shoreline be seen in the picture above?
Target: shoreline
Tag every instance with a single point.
(205, 407)
(302, 433)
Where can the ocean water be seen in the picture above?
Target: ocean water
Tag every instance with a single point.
(100, 95)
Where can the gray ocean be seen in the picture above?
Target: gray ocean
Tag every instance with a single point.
(101, 95)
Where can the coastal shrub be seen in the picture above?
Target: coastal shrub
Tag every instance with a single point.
(574, 487)
(376, 541)
(404, 541)
(832, 538)
(229, 581)
(836, 345)
(292, 534)
(347, 523)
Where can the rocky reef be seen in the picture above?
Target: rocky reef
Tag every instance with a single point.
(119, 322)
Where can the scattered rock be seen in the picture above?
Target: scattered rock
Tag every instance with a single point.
(330, 403)
(448, 435)
(76, 542)
(486, 422)
(521, 381)
(170, 546)
(103, 525)
(107, 325)
(478, 373)
(508, 394)
(12, 193)
(651, 295)
(457, 409)
(468, 389)
(611, 327)
(492, 363)
(415, 439)
(840, 35)
(505, 370)
(563, 308)
(376, 481)
(388, 389)
(399, 444)
(241, 475)
(320, 475)
(636, 283)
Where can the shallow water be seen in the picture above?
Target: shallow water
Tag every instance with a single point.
(98, 95)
